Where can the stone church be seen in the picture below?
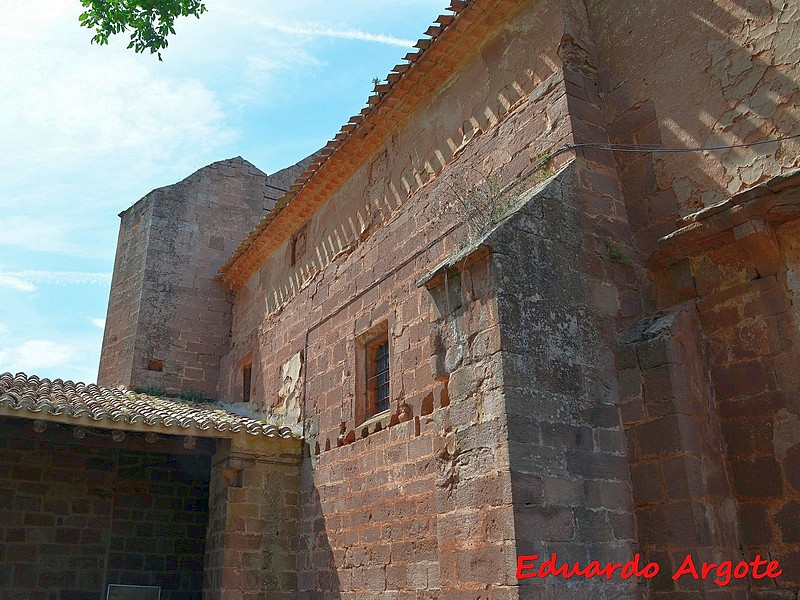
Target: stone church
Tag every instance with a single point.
(540, 298)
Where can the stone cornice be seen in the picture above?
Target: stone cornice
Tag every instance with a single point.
(773, 202)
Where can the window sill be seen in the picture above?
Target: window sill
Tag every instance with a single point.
(382, 419)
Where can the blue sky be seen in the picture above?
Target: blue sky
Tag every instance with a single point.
(85, 131)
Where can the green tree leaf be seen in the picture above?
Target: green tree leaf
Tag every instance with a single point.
(149, 21)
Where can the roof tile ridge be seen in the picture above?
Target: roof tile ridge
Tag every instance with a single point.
(381, 89)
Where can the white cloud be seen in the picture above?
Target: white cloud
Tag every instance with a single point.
(25, 281)
(318, 30)
(88, 130)
(75, 359)
(141, 117)
(65, 277)
(38, 235)
(80, 108)
(99, 323)
(33, 356)
(14, 282)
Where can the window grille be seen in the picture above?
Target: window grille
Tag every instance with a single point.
(380, 380)
(373, 373)
(247, 377)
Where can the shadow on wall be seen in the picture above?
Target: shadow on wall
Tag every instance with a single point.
(729, 93)
(317, 577)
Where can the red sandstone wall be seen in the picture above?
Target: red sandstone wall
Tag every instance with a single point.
(751, 327)
(421, 502)
(171, 243)
(119, 338)
(252, 538)
(166, 302)
(708, 73)
(386, 217)
(74, 519)
(709, 409)
(381, 232)
(369, 514)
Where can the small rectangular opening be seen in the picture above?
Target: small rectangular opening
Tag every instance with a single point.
(155, 364)
(373, 373)
(247, 380)
(298, 246)
(376, 361)
(133, 592)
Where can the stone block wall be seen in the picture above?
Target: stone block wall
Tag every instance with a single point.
(683, 497)
(753, 341)
(370, 525)
(56, 519)
(125, 299)
(706, 387)
(568, 458)
(475, 506)
(74, 519)
(516, 392)
(158, 525)
(169, 317)
(417, 502)
(709, 387)
(509, 409)
(722, 74)
(251, 544)
(480, 133)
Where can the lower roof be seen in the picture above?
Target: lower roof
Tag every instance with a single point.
(91, 405)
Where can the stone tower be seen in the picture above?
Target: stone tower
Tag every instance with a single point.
(169, 318)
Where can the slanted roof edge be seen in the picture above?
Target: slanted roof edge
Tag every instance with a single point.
(79, 404)
(357, 136)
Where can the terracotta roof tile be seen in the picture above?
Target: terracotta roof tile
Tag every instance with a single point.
(76, 403)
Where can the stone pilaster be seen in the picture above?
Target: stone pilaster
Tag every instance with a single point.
(251, 540)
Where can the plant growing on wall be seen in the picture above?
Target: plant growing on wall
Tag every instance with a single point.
(149, 390)
(480, 207)
(194, 396)
(484, 204)
(616, 253)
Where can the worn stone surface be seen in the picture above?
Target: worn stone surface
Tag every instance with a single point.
(719, 75)
(552, 390)
(420, 504)
(678, 467)
(75, 518)
(169, 317)
(563, 410)
(251, 541)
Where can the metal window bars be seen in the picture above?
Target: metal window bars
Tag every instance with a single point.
(380, 380)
